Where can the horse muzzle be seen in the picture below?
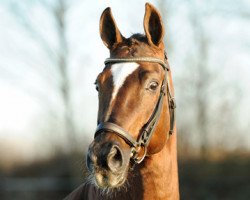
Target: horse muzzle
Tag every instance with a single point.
(108, 163)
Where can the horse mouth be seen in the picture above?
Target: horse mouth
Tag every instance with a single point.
(108, 180)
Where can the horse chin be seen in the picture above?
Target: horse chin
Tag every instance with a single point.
(108, 180)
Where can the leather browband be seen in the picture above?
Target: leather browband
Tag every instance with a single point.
(140, 59)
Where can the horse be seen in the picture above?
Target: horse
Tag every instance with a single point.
(133, 154)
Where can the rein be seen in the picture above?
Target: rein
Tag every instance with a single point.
(144, 139)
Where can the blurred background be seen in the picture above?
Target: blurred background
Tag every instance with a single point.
(50, 55)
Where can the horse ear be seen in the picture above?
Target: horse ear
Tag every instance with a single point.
(109, 32)
(153, 25)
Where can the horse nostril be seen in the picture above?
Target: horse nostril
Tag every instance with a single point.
(114, 159)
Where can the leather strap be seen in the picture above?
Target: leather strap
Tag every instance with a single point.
(148, 130)
(140, 59)
(108, 126)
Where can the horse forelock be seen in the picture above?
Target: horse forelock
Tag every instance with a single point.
(137, 46)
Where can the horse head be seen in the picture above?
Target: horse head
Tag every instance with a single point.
(131, 88)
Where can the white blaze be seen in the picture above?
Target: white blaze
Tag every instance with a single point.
(120, 71)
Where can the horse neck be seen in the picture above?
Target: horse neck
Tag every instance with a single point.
(159, 173)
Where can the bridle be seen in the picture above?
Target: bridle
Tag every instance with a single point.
(148, 129)
(143, 140)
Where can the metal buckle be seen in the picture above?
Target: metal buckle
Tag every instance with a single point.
(135, 154)
(163, 89)
(143, 138)
(170, 133)
(172, 103)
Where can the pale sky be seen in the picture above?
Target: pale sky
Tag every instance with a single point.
(20, 111)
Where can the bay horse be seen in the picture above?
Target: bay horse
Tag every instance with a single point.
(133, 155)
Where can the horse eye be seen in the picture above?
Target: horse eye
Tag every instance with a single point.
(153, 85)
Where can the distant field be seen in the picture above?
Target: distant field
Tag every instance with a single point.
(199, 180)
(221, 180)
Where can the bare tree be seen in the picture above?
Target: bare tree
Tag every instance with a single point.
(57, 73)
(166, 8)
(63, 68)
(203, 80)
(208, 101)
(201, 107)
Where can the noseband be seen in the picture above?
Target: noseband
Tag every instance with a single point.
(143, 140)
